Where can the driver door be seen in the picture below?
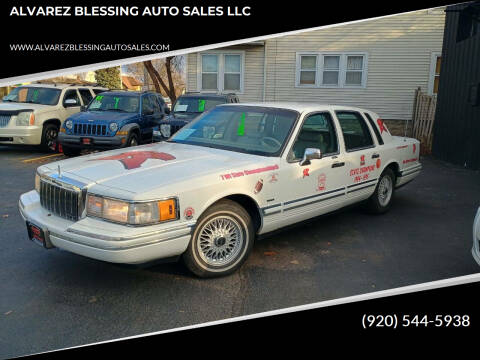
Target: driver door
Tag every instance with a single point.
(317, 186)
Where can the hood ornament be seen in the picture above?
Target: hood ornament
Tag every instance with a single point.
(59, 172)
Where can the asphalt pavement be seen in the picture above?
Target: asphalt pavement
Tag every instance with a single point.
(52, 299)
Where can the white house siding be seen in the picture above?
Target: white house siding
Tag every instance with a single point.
(253, 72)
(399, 52)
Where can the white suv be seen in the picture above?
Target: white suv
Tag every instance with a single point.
(32, 114)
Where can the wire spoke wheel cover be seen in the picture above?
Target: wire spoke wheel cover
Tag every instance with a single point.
(385, 189)
(220, 241)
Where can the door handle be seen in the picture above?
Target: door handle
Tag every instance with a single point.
(374, 156)
(338, 164)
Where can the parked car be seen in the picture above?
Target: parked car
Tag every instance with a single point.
(188, 107)
(113, 119)
(32, 114)
(476, 238)
(235, 172)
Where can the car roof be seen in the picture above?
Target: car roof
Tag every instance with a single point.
(206, 95)
(128, 93)
(298, 106)
(61, 86)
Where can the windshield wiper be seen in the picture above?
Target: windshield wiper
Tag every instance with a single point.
(121, 110)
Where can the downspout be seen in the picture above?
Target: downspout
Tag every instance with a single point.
(264, 69)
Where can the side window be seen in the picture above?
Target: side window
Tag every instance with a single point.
(71, 94)
(147, 106)
(355, 131)
(86, 96)
(155, 105)
(375, 129)
(161, 102)
(318, 131)
(98, 91)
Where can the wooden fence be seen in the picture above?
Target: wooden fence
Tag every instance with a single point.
(423, 116)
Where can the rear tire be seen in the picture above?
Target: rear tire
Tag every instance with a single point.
(49, 136)
(70, 152)
(381, 200)
(221, 241)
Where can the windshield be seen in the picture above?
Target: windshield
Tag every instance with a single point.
(248, 129)
(118, 103)
(190, 104)
(34, 95)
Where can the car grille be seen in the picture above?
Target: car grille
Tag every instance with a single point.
(90, 129)
(4, 120)
(175, 128)
(59, 200)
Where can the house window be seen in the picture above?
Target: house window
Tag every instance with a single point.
(331, 70)
(335, 70)
(435, 65)
(308, 69)
(354, 70)
(232, 73)
(209, 72)
(221, 72)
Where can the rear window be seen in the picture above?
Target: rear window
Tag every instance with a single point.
(355, 131)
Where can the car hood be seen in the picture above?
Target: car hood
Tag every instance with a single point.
(155, 166)
(107, 116)
(12, 106)
(183, 116)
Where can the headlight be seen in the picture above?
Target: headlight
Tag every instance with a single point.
(69, 124)
(140, 213)
(113, 126)
(165, 130)
(37, 182)
(25, 118)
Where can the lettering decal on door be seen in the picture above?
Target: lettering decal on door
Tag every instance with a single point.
(258, 186)
(362, 160)
(322, 182)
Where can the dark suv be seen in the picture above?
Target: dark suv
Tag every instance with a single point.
(188, 107)
(113, 119)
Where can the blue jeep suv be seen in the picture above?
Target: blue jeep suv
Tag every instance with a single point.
(113, 119)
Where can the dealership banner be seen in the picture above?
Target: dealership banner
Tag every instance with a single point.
(53, 35)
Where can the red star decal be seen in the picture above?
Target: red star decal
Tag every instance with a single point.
(382, 126)
(135, 159)
(305, 172)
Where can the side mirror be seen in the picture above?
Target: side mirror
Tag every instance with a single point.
(310, 154)
(83, 108)
(167, 110)
(70, 103)
(148, 112)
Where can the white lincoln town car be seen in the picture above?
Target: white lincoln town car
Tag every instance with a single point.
(237, 171)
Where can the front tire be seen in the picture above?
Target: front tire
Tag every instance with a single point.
(381, 200)
(49, 136)
(221, 241)
(132, 140)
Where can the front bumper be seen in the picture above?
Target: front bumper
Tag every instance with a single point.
(106, 241)
(24, 135)
(476, 238)
(96, 142)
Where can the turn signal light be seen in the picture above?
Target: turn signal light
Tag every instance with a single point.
(166, 209)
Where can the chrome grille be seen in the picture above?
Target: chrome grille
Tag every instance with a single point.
(59, 200)
(90, 129)
(4, 120)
